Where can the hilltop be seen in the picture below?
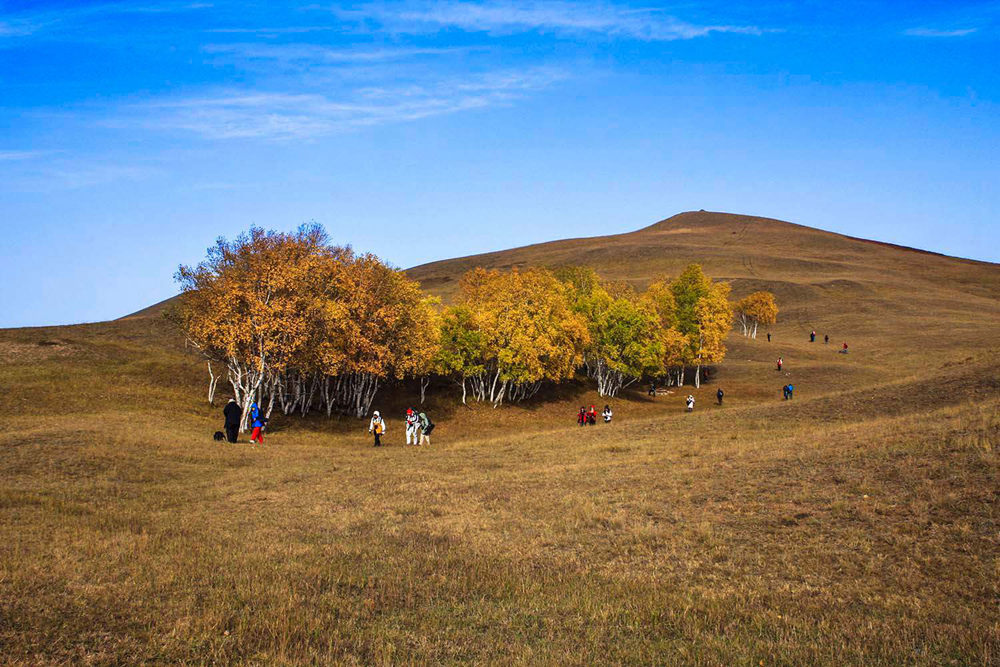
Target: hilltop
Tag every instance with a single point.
(855, 524)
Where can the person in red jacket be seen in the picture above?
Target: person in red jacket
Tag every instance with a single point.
(581, 417)
(592, 415)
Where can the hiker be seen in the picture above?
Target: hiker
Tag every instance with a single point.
(257, 421)
(377, 426)
(652, 389)
(690, 403)
(784, 391)
(779, 363)
(607, 414)
(581, 417)
(826, 339)
(592, 416)
(412, 424)
(768, 336)
(812, 336)
(233, 413)
(844, 351)
(791, 388)
(719, 394)
(426, 426)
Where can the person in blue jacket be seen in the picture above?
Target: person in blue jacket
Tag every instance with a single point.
(257, 421)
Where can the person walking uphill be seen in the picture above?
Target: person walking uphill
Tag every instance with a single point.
(607, 414)
(719, 394)
(690, 403)
(412, 425)
(257, 421)
(426, 426)
(812, 336)
(780, 362)
(592, 416)
(233, 413)
(581, 416)
(377, 426)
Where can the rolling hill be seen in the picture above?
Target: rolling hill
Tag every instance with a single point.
(856, 524)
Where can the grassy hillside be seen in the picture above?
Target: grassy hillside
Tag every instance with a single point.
(855, 524)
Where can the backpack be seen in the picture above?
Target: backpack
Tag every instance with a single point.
(379, 426)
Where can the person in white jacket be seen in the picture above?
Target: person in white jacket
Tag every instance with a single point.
(690, 403)
(412, 426)
(607, 414)
(377, 426)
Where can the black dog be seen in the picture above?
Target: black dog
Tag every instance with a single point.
(219, 436)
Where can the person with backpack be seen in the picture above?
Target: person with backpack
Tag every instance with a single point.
(581, 416)
(719, 394)
(412, 425)
(426, 426)
(791, 388)
(690, 403)
(233, 414)
(377, 427)
(592, 416)
(257, 421)
(607, 414)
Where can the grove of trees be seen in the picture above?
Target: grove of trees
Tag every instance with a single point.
(298, 324)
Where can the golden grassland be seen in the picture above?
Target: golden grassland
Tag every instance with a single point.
(855, 524)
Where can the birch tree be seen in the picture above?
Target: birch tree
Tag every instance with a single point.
(756, 309)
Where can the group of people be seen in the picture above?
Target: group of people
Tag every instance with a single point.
(418, 428)
(587, 417)
(233, 414)
(787, 391)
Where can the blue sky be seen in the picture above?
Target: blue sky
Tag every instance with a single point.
(133, 134)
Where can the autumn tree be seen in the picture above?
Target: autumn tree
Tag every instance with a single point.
(623, 330)
(525, 331)
(246, 305)
(756, 309)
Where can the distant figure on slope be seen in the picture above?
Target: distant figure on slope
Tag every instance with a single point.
(791, 388)
(233, 413)
(780, 362)
(719, 394)
(592, 416)
(412, 425)
(784, 391)
(377, 426)
(257, 421)
(844, 350)
(690, 403)
(826, 339)
(768, 336)
(426, 426)
(652, 389)
(812, 336)
(607, 414)
(581, 417)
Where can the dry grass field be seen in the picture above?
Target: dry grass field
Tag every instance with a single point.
(855, 524)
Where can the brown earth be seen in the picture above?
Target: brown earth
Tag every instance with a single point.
(855, 524)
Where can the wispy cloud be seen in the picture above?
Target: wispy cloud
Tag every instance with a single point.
(300, 116)
(313, 55)
(558, 16)
(932, 32)
(16, 156)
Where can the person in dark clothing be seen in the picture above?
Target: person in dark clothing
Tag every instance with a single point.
(581, 417)
(652, 389)
(784, 391)
(719, 394)
(812, 336)
(768, 336)
(826, 339)
(592, 416)
(233, 413)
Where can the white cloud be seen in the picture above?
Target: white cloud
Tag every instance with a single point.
(503, 16)
(300, 116)
(311, 55)
(11, 156)
(932, 32)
